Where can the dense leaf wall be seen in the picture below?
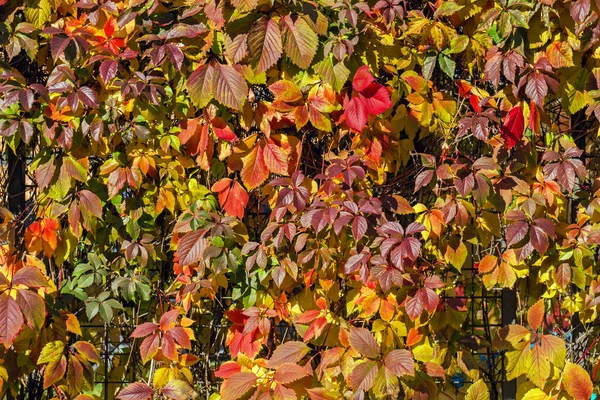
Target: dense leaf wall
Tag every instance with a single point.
(315, 191)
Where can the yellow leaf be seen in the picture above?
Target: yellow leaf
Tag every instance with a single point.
(478, 391)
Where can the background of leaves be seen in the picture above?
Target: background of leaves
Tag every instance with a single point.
(315, 190)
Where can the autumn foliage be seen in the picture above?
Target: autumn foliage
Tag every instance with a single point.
(252, 199)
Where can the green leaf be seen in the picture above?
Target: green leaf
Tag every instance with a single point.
(336, 76)
(447, 65)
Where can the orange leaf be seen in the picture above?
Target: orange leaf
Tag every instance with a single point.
(255, 171)
(577, 382)
(535, 315)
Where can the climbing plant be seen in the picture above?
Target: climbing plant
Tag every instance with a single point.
(281, 199)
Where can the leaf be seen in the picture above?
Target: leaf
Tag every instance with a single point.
(286, 91)
(201, 85)
(230, 86)
(55, 371)
(191, 247)
(300, 41)
(560, 54)
(536, 88)
(11, 320)
(222, 130)
(478, 391)
(400, 362)
(144, 330)
(264, 43)
(288, 373)
(31, 277)
(178, 390)
(135, 391)
(577, 382)
(238, 385)
(44, 173)
(33, 308)
(356, 113)
(254, 170)
(288, 352)
(90, 203)
(74, 169)
(363, 376)
(237, 48)
(563, 275)
(232, 197)
(516, 232)
(447, 64)
(362, 340)
(447, 8)
(87, 350)
(513, 127)
(276, 159)
(149, 347)
(52, 352)
(38, 12)
(335, 76)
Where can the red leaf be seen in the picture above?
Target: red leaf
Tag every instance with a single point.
(356, 113)
(362, 78)
(190, 247)
(238, 385)
(376, 98)
(362, 340)
(512, 130)
(144, 329)
(168, 347)
(228, 369)
(232, 197)
(87, 350)
(136, 391)
(168, 320)
(222, 130)
(181, 337)
(149, 347)
(11, 320)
